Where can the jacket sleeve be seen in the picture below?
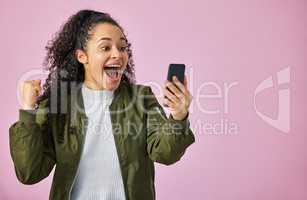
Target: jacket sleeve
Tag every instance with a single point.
(167, 138)
(31, 145)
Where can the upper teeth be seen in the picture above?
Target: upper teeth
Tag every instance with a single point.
(113, 65)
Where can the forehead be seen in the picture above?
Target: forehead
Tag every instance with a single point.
(106, 30)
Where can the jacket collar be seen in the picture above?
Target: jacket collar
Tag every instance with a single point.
(78, 115)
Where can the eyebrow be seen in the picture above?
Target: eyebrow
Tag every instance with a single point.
(109, 39)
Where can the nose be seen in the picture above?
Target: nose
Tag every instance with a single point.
(115, 53)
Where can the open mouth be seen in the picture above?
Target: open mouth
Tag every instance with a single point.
(114, 72)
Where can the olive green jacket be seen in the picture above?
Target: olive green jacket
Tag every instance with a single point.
(143, 134)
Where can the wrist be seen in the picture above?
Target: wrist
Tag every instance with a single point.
(28, 107)
(180, 117)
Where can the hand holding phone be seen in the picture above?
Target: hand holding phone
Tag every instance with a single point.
(177, 96)
(175, 70)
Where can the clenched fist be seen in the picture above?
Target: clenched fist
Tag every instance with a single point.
(30, 90)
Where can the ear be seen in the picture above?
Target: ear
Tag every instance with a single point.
(81, 56)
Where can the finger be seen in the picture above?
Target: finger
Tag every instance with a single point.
(36, 87)
(37, 82)
(37, 90)
(179, 85)
(185, 81)
(169, 103)
(174, 89)
(176, 104)
(34, 81)
(186, 91)
(171, 96)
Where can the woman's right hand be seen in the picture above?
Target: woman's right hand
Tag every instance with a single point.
(30, 90)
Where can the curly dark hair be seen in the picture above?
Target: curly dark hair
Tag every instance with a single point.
(61, 61)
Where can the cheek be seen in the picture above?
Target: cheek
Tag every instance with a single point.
(97, 61)
(125, 59)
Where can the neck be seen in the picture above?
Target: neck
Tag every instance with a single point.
(92, 85)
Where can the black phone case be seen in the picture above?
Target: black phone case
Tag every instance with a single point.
(176, 70)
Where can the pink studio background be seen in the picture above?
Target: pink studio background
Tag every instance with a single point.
(241, 42)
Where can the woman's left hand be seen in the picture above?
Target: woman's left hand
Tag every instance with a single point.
(178, 99)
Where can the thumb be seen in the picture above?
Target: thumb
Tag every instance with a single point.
(37, 81)
(185, 82)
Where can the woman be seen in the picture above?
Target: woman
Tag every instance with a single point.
(101, 130)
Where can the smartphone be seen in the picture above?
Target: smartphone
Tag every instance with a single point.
(175, 70)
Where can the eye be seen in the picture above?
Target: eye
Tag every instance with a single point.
(105, 48)
(124, 48)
